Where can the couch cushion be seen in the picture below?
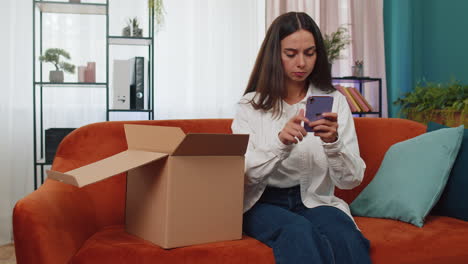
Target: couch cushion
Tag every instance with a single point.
(441, 240)
(454, 201)
(375, 137)
(113, 245)
(411, 178)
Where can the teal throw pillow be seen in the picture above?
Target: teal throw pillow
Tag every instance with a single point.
(454, 199)
(411, 177)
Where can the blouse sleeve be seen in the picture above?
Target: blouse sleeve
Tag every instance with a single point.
(346, 167)
(260, 160)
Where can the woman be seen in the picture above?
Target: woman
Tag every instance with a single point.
(289, 201)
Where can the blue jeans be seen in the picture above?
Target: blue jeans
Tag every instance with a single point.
(298, 234)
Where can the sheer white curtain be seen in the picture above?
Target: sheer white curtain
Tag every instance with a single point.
(15, 109)
(204, 56)
(364, 20)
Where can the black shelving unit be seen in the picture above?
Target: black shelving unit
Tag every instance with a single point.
(360, 82)
(40, 8)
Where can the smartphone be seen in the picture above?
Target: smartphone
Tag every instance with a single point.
(316, 105)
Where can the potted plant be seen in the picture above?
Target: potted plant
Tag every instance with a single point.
(442, 103)
(335, 43)
(53, 56)
(127, 30)
(137, 31)
(158, 11)
(133, 25)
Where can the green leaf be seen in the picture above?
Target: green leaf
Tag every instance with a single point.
(53, 55)
(335, 42)
(434, 96)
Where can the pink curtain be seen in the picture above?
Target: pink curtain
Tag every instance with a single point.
(364, 20)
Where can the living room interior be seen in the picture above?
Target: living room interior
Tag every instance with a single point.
(77, 70)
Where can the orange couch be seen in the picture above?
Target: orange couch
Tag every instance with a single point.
(59, 223)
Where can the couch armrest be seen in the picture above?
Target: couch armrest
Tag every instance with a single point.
(51, 224)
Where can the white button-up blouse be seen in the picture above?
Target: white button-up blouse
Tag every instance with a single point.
(317, 166)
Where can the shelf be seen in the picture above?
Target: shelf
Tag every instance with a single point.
(42, 88)
(72, 8)
(43, 163)
(360, 82)
(366, 113)
(72, 84)
(131, 41)
(129, 110)
(351, 79)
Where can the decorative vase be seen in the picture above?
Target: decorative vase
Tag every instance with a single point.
(81, 73)
(56, 76)
(90, 72)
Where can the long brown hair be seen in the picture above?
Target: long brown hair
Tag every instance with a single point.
(267, 77)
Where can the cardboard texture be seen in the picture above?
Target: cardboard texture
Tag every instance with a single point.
(181, 189)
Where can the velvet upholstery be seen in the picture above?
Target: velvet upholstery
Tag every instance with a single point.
(411, 177)
(124, 248)
(454, 201)
(59, 223)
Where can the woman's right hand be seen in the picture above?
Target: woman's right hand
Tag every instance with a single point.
(293, 132)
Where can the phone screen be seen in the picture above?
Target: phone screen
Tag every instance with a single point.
(316, 105)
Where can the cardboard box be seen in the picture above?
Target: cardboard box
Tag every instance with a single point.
(181, 189)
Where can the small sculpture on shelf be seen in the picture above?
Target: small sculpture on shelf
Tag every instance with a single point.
(53, 55)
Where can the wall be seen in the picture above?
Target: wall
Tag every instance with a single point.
(445, 40)
(424, 40)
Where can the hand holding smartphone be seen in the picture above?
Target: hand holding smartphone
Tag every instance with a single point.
(315, 106)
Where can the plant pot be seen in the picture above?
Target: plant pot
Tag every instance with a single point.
(138, 32)
(127, 31)
(450, 118)
(357, 71)
(56, 76)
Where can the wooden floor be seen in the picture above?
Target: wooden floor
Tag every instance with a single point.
(7, 254)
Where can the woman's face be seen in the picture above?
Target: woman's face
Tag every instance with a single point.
(298, 55)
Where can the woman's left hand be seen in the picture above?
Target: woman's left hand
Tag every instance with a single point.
(326, 128)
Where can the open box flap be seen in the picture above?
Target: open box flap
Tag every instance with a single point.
(153, 138)
(100, 170)
(200, 144)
